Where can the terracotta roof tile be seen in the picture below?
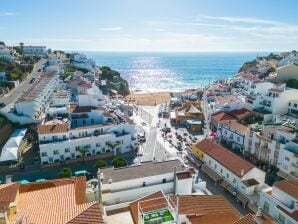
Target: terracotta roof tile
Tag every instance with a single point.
(147, 203)
(222, 116)
(53, 128)
(8, 194)
(248, 219)
(237, 126)
(275, 90)
(241, 113)
(214, 218)
(222, 155)
(92, 215)
(183, 175)
(57, 201)
(290, 187)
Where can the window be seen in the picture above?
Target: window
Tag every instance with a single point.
(215, 166)
(92, 121)
(77, 148)
(67, 150)
(164, 180)
(88, 146)
(221, 170)
(209, 161)
(144, 184)
(64, 137)
(287, 158)
(228, 175)
(295, 105)
(281, 219)
(56, 152)
(97, 144)
(289, 104)
(43, 154)
(238, 139)
(266, 207)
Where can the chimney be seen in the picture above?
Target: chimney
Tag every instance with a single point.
(242, 172)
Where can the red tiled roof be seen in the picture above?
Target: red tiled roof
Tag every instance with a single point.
(8, 193)
(222, 155)
(237, 126)
(222, 116)
(152, 201)
(91, 215)
(57, 201)
(275, 90)
(293, 215)
(241, 113)
(183, 175)
(290, 187)
(53, 128)
(248, 219)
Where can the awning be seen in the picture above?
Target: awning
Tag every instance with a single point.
(242, 198)
(212, 174)
(227, 186)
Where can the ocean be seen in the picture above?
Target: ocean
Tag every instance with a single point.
(153, 72)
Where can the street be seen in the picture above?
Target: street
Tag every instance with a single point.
(15, 93)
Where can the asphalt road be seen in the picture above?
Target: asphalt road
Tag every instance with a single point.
(13, 95)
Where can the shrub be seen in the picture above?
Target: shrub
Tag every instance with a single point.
(119, 162)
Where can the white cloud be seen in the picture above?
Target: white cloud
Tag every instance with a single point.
(251, 20)
(8, 13)
(116, 28)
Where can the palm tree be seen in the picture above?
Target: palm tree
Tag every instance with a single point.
(83, 150)
(113, 146)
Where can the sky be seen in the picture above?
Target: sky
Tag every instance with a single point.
(151, 25)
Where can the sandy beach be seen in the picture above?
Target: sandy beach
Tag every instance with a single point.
(149, 99)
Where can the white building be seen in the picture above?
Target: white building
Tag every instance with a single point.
(126, 184)
(6, 53)
(266, 143)
(93, 129)
(235, 174)
(11, 149)
(232, 133)
(34, 50)
(60, 98)
(34, 101)
(293, 108)
(90, 95)
(81, 61)
(275, 101)
(289, 59)
(281, 201)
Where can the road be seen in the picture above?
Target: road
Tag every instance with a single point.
(14, 94)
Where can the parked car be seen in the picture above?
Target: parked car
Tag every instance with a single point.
(2, 105)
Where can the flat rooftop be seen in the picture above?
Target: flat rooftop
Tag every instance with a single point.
(146, 169)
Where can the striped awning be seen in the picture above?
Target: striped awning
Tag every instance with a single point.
(212, 174)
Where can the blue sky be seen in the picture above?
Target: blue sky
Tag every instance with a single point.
(152, 25)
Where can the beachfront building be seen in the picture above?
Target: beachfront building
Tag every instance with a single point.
(35, 50)
(238, 176)
(119, 185)
(6, 53)
(35, 100)
(232, 134)
(60, 201)
(281, 201)
(158, 207)
(274, 102)
(90, 131)
(269, 142)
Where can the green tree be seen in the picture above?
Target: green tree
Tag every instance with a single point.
(65, 173)
(99, 164)
(113, 146)
(119, 162)
(83, 150)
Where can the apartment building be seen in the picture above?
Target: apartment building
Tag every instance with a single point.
(90, 95)
(281, 201)
(266, 142)
(92, 128)
(120, 185)
(232, 133)
(235, 174)
(275, 101)
(35, 100)
(293, 108)
(35, 50)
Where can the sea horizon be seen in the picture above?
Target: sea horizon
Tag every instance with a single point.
(172, 71)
